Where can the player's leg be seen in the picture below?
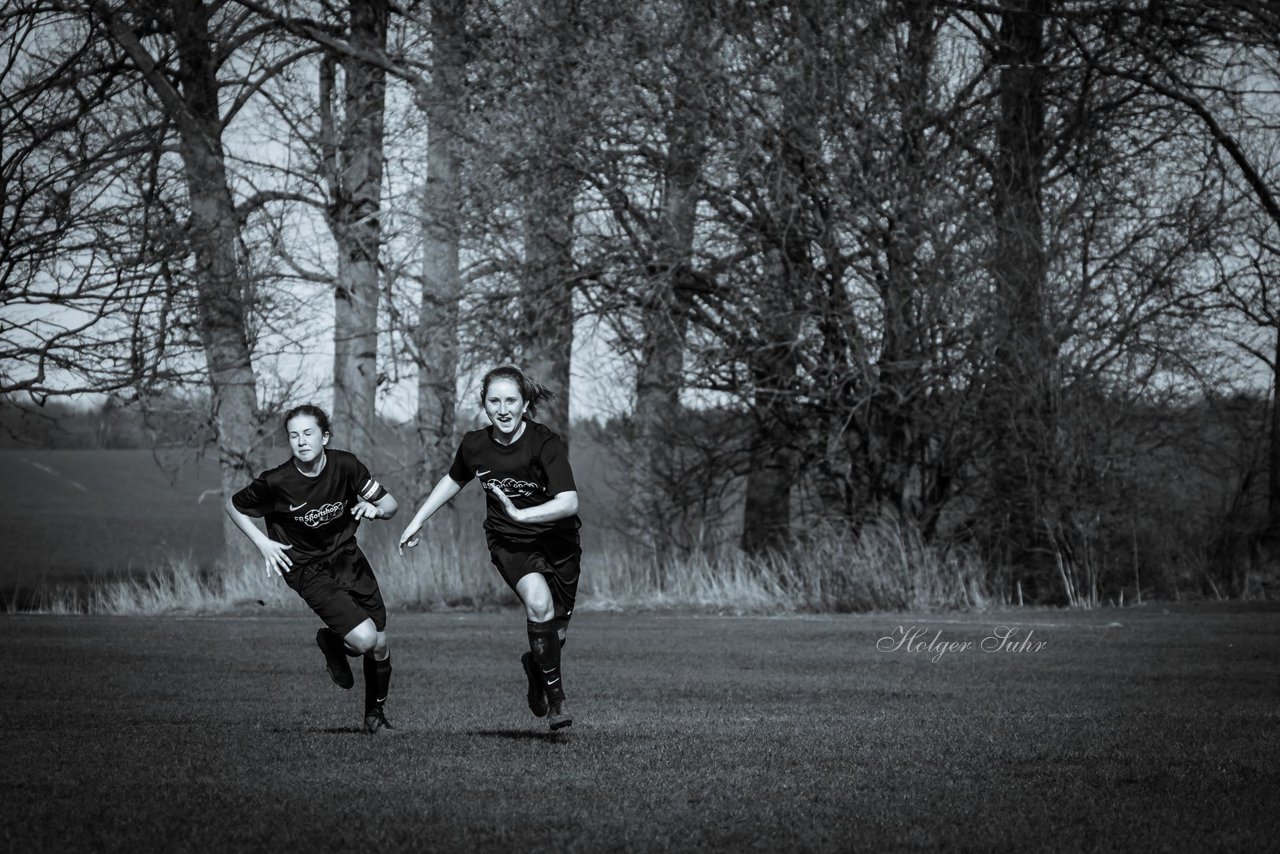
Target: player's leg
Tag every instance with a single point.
(535, 691)
(564, 560)
(377, 679)
(372, 643)
(544, 644)
(339, 639)
(512, 566)
(335, 657)
(344, 594)
(320, 591)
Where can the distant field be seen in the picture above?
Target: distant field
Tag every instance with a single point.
(71, 515)
(1132, 729)
(67, 516)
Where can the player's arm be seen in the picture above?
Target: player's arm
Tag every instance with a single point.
(387, 506)
(373, 501)
(554, 457)
(384, 508)
(562, 506)
(272, 552)
(443, 492)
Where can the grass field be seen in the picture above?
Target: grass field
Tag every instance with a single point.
(1140, 729)
(69, 516)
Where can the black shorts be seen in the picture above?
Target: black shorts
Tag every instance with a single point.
(341, 589)
(558, 559)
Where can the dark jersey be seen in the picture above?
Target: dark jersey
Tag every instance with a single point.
(311, 514)
(531, 471)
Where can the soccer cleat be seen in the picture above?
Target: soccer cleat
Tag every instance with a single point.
(375, 723)
(559, 715)
(537, 693)
(335, 659)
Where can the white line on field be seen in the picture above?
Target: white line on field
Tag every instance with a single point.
(60, 477)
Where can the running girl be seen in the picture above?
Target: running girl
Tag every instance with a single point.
(312, 504)
(531, 523)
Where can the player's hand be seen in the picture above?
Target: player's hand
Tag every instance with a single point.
(364, 510)
(274, 554)
(410, 538)
(511, 509)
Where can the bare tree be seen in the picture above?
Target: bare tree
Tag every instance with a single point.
(75, 185)
(896, 423)
(1022, 396)
(438, 313)
(181, 297)
(548, 187)
(663, 320)
(193, 107)
(1219, 63)
(353, 165)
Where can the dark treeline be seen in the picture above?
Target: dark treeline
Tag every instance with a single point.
(60, 425)
(998, 271)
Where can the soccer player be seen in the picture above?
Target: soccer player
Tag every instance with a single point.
(313, 503)
(531, 523)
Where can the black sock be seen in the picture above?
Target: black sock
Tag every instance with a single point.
(545, 646)
(377, 681)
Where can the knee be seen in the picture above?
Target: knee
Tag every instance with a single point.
(539, 607)
(364, 639)
(380, 645)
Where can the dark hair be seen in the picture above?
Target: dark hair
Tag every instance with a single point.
(532, 391)
(321, 417)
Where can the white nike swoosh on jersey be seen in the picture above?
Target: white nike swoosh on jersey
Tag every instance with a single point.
(299, 507)
(483, 473)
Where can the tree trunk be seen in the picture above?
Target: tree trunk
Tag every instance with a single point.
(895, 427)
(215, 233)
(766, 512)
(549, 192)
(355, 180)
(787, 231)
(1022, 394)
(656, 418)
(766, 515)
(437, 332)
(659, 374)
(1272, 536)
(547, 305)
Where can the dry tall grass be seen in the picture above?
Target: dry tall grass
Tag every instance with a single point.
(888, 567)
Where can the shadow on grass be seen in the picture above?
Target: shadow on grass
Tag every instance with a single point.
(521, 735)
(327, 730)
(508, 734)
